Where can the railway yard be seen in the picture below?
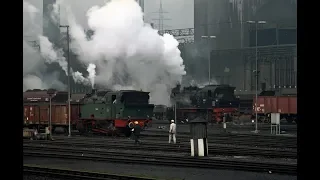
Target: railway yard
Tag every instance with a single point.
(213, 139)
(237, 153)
(103, 100)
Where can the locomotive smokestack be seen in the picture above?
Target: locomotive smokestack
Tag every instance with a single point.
(94, 91)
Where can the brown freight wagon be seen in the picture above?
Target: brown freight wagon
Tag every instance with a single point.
(285, 105)
(76, 102)
(37, 109)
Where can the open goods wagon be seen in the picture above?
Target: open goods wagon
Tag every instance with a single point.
(37, 109)
(285, 105)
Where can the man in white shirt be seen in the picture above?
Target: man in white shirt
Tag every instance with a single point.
(172, 132)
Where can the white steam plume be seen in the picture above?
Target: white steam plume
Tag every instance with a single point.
(51, 55)
(34, 67)
(128, 52)
(56, 56)
(92, 73)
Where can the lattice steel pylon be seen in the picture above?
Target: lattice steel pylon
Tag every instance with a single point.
(161, 18)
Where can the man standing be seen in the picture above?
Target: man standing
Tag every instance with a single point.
(172, 132)
(136, 132)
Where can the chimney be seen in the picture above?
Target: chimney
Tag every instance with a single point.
(93, 92)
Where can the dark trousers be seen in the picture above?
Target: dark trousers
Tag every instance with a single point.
(136, 138)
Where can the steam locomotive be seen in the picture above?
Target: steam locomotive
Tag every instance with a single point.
(108, 110)
(211, 102)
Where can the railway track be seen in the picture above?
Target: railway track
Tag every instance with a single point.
(242, 140)
(121, 157)
(182, 148)
(235, 125)
(239, 139)
(220, 134)
(73, 174)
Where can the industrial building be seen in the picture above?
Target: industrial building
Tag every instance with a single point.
(233, 50)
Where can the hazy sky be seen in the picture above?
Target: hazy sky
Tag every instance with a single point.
(179, 11)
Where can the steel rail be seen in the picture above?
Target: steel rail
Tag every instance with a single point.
(171, 161)
(271, 143)
(213, 149)
(74, 174)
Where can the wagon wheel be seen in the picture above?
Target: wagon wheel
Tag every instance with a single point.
(289, 120)
(210, 118)
(267, 120)
(262, 119)
(65, 130)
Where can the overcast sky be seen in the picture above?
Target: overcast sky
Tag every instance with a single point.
(179, 11)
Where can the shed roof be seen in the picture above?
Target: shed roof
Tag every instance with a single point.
(199, 120)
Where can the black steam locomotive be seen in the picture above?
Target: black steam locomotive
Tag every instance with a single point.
(211, 102)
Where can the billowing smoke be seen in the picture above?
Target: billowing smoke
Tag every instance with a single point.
(32, 82)
(31, 59)
(52, 55)
(36, 82)
(35, 75)
(128, 52)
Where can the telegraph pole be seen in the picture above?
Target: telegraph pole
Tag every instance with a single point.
(256, 70)
(68, 60)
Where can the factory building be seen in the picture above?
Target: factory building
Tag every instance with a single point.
(233, 50)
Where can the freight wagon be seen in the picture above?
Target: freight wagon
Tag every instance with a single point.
(285, 105)
(37, 109)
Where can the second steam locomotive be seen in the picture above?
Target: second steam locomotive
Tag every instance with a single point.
(212, 102)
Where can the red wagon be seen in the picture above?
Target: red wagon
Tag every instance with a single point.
(285, 105)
